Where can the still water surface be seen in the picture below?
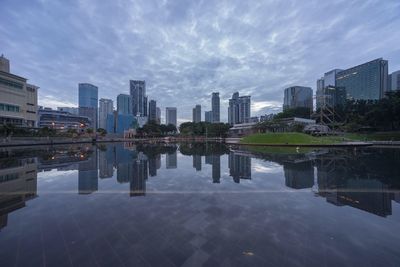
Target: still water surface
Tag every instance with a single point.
(199, 205)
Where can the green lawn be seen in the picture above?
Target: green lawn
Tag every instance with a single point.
(290, 138)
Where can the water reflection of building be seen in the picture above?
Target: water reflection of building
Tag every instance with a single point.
(216, 168)
(88, 175)
(138, 183)
(132, 168)
(171, 160)
(197, 162)
(299, 175)
(239, 166)
(340, 185)
(106, 162)
(154, 164)
(18, 184)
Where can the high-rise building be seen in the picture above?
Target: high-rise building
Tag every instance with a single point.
(367, 81)
(197, 113)
(124, 105)
(215, 107)
(208, 116)
(18, 99)
(325, 87)
(394, 81)
(239, 109)
(138, 98)
(297, 96)
(118, 123)
(152, 110)
(171, 116)
(88, 102)
(105, 107)
(158, 115)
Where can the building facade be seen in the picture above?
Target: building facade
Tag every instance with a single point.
(394, 81)
(152, 110)
(124, 105)
(171, 116)
(62, 120)
(297, 96)
(118, 123)
(138, 97)
(208, 116)
(158, 112)
(105, 107)
(239, 110)
(88, 102)
(71, 110)
(215, 107)
(18, 99)
(367, 81)
(196, 114)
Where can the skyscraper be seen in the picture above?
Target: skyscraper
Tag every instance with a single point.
(215, 107)
(158, 115)
(138, 98)
(297, 96)
(239, 110)
(208, 116)
(197, 113)
(124, 105)
(153, 110)
(367, 81)
(88, 102)
(394, 81)
(327, 92)
(171, 116)
(105, 107)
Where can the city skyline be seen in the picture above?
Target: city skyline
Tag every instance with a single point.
(272, 58)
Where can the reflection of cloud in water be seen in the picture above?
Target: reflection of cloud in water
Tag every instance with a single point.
(266, 167)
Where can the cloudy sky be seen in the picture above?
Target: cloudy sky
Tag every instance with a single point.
(185, 50)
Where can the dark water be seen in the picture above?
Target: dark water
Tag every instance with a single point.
(199, 205)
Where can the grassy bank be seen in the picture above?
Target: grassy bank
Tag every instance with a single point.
(291, 139)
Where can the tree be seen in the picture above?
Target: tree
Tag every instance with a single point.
(101, 131)
(89, 130)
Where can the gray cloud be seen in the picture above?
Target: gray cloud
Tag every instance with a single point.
(187, 49)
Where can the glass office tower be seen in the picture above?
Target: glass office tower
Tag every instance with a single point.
(367, 81)
(88, 102)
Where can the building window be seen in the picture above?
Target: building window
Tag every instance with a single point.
(9, 108)
(11, 83)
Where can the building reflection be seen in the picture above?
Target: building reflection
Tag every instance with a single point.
(239, 166)
(299, 175)
(106, 162)
(338, 180)
(171, 160)
(197, 162)
(88, 180)
(154, 165)
(18, 184)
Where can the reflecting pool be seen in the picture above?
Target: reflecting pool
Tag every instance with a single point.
(123, 204)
